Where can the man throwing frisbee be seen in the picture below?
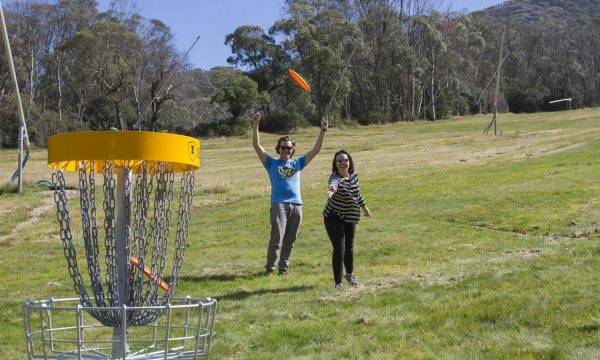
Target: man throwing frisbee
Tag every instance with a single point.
(286, 201)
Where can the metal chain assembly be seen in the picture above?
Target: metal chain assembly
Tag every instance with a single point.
(148, 199)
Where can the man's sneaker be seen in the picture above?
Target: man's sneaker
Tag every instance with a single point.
(338, 285)
(269, 273)
(351, 279)
(284, 272)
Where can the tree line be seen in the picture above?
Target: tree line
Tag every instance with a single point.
(367, 61)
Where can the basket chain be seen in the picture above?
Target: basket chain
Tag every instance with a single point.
(88, 220)
(66, 236)
(110, 232)
(150, 234)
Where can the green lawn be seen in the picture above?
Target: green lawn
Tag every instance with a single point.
(480, 247)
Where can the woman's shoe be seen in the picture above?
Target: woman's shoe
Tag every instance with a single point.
(351, 279)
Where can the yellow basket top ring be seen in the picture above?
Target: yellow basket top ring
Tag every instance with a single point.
(124, 148)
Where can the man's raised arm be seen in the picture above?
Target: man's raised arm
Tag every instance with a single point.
(260, 151)
(315, 150)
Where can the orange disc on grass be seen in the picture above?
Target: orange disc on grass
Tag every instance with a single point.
(299, 80)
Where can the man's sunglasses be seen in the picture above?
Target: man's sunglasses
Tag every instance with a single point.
(286, 147)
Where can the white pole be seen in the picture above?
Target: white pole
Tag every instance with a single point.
(20, 160)
(120, 347)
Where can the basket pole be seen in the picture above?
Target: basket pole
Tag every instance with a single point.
(120, 347)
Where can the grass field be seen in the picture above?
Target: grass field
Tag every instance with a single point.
(480, 247)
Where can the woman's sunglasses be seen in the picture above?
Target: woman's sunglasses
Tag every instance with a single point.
(286, 147)
(342, 160)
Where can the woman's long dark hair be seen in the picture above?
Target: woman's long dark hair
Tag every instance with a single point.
(351, 163)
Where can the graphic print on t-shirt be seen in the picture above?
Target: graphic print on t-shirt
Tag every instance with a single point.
(286, 171)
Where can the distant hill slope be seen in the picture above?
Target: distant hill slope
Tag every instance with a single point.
(533, 10)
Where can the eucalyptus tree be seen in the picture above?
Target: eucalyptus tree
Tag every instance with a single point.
(458, 80)
(588, 37)
(159, 79)
(435, 50)
(28, 22)
(110, 55)
(385, 64)
(66, 18)
(264, 60)
(258, 52)
(236, 90)
(321, 40)
(529, 73)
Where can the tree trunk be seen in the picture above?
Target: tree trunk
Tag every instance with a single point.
(412, 95)
(420, 103)
(31, 87)
(119, 116)
(58, 81)
(433, 84)
(136, 99)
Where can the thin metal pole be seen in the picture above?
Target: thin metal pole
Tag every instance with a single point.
(167, 331)
(79, 330)
(211, 324)
(489, 82)
(120, 347)
(138, 123)
(27, 325)
(22, 132)
(20, 159)
(339, 82)
(500, 61)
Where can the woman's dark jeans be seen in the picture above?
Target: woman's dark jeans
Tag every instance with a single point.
(341, 234)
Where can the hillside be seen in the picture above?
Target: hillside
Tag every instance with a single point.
(534, 10)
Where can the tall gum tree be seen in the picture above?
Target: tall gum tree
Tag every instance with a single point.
(112, 54)
(320, 39)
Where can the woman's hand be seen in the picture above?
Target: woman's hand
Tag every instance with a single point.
(366, 211)
(332, 189)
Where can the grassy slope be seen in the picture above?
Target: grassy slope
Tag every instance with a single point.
(480, 247)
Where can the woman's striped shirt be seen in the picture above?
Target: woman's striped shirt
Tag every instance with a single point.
(347, 200)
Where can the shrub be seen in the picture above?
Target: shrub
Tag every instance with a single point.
(235, 127)
(375, 117)
(282, 122)
(10, 119)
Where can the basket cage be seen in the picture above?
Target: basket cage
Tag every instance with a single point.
(63, 329)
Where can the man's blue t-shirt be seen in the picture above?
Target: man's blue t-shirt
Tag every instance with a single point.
(285, 179)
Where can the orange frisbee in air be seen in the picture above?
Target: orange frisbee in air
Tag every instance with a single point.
(299, 80)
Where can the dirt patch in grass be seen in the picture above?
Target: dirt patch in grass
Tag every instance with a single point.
(389, 281)
(36, 213)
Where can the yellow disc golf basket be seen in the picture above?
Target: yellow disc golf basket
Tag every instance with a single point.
(128, 242)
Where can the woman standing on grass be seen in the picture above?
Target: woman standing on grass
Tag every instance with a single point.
(341, 215)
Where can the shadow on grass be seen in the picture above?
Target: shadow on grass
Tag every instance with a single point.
(9, 188)
(589, 328)
(244, 293)
(221, 277)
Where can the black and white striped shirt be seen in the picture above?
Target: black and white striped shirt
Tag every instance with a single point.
(347, 200)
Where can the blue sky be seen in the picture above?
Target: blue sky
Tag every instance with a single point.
(212, 20)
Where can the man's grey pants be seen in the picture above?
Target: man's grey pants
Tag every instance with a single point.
(285, 222)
